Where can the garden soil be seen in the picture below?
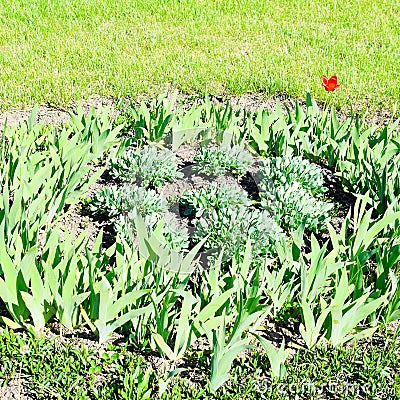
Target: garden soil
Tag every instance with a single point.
(77, 218)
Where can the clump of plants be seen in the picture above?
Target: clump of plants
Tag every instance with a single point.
(229, 228)
(139, 169)
(290, 190)
(124, 204)
(218, 160)
(293, 205)
(170, 233)
(115, 200)
(286, 171)
(226, 219)
(214, 196)
(147, 166)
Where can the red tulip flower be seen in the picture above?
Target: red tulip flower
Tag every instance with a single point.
(330, 84)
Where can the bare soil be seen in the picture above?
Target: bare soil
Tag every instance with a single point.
(16, 389)
(78, 218)
(249, 101)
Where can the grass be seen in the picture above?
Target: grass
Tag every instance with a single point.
(56, 369)
(56, 52)
(53, 369)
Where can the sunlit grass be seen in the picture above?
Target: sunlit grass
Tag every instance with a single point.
(55, 52)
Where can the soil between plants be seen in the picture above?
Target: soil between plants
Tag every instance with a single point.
(78, 219)
(249, 101)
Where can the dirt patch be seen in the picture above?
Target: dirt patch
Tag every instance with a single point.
(80, 218)
(16, 390)
(249, 101)
(53, 115)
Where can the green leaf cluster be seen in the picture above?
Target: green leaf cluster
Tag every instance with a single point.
(228, 229)
(285, 171)
(214, 196)
(290, 189)
(218, 160)
(145, 166)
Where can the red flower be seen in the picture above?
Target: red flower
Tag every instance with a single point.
(331, 83)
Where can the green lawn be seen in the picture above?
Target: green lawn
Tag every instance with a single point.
(56, 369)
(57, 51)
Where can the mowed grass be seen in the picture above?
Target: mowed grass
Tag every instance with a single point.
(61, 370)
(58, 51)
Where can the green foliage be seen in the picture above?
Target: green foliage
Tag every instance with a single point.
(146, 166)
(222, 159)
(290, 188)
(44, 172)
(364, 156)
(293, 205)
(228, 229)
(58, 369)
(285, 171)
(116, 58)
(150, 122)
(124, 203)
(366, 369)
(115, 200)
(145, 287)
(335, 298)
(214, 196)
(172, 234)
(276, 356)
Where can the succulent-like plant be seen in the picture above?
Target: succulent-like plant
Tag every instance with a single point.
(115, 200)
(146, 166)
(107, 201)
(214, 196)
(123, 203)
(290, 205)
(229, 228)
(290, 189)
(218, 160)
(285, 171)
(173, 235)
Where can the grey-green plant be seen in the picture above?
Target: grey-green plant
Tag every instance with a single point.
(108, 201)
(214, 196)
(147, 166)
(285, 171)
(116, 200)
(218, 160)
(292, 205)
(171, 233)
(123, 203)
(227, 229)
